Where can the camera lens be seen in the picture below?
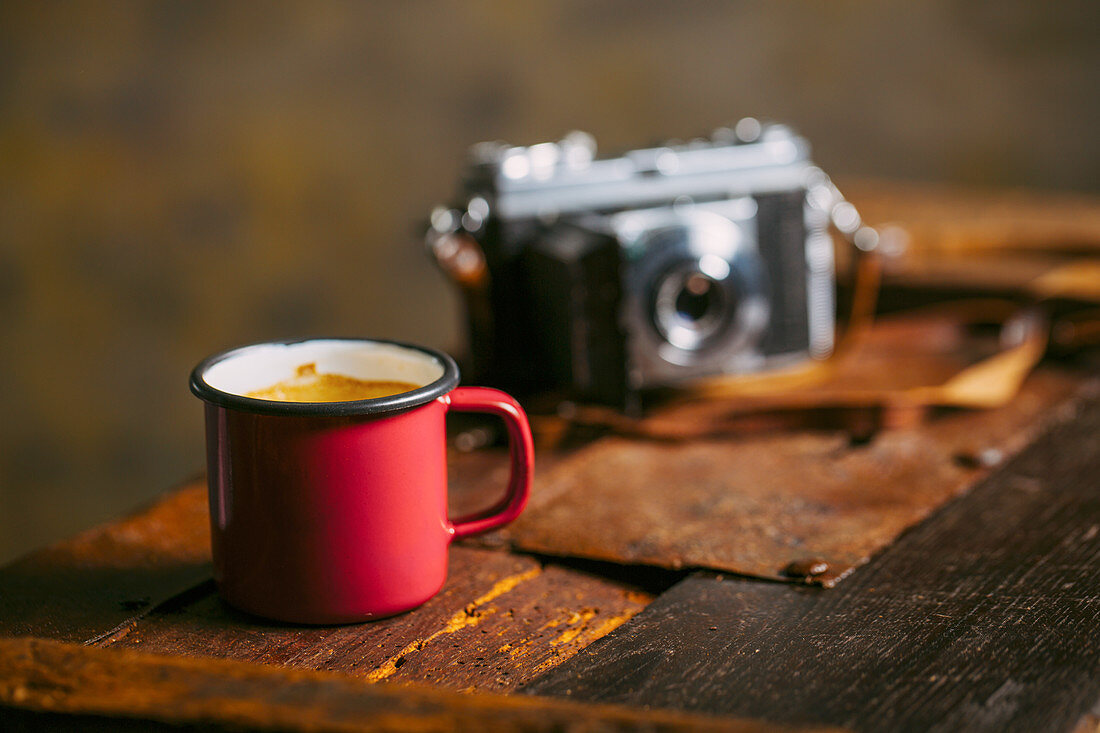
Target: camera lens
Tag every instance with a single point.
(695, 290)
(690, 308)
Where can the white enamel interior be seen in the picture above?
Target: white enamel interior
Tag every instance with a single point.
(259, 367)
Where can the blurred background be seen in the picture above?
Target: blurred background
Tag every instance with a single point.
(178, 178)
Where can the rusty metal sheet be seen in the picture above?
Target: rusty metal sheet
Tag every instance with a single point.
(799, 504)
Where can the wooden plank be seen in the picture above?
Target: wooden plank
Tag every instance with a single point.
(942, 222)
(51, 686)
(500, 620)
(949, 241)
(982, 618)
(106, 578)
(100, 582)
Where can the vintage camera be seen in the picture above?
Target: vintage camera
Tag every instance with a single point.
(603, 278)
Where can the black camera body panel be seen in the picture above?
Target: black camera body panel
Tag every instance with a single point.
(573, 280)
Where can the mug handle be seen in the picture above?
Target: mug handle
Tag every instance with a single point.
(521, 450)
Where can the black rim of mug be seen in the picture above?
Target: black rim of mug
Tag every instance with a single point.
(378, 405)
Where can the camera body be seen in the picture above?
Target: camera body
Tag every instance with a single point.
(603, 278)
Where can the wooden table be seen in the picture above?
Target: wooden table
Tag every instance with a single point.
(982, 617)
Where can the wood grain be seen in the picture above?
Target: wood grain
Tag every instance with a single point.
(104, 579)
(982, 618)
(499, 621)
(51, 686)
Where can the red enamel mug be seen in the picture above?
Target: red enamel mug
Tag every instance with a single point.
(336, 512)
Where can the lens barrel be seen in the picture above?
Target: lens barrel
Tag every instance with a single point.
(691, 308)
(704, 284)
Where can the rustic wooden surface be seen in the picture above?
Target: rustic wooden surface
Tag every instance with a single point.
(942, 221)
(143, 582)
(976, 614)
(757, 501)
(104, 579)
(982, 618)
(52, 686)
(943, 240)
(500, 620)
